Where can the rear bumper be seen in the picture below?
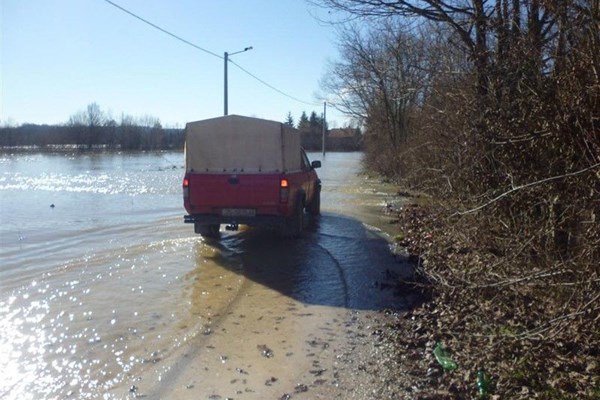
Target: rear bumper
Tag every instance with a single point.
(210, 219)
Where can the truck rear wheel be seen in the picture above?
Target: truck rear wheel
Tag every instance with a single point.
(208, 231)
(295, 224)
(314, 208)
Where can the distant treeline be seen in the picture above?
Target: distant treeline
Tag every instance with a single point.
(111, 137)
(344, 139)
(93, 129)
(311, 131)
(135, 137)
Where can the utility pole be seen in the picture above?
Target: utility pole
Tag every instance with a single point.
(324, 124)
(226, 60)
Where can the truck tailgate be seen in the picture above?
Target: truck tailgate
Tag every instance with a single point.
(211, 193)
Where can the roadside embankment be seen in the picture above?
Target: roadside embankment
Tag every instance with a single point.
(515, 331)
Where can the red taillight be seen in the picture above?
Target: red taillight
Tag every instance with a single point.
(186, 187)
(284, 190)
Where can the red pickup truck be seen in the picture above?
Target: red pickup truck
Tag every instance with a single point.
(242, 170)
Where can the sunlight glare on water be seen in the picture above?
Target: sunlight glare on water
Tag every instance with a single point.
(82, 330)
(80, 280)
(100, 280)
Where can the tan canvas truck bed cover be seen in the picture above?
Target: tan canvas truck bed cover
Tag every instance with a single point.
(236, 144)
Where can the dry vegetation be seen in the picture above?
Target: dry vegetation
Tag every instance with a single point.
(493, 110)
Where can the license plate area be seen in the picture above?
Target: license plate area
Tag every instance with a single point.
(238, 212)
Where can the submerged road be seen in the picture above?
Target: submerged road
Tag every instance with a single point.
(109, 295)
(288, 313)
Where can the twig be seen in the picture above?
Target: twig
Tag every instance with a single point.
(517, 188)
(550, 324)
(510, 282)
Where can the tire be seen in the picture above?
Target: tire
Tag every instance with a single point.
(314, 208)
(295, 224)
(208, 231)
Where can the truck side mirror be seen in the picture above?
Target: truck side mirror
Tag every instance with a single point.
(315, 164)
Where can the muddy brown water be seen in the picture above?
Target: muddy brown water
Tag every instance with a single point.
(105, 293)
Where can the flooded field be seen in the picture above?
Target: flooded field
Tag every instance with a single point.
(105, 293)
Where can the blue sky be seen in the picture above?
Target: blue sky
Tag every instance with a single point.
(58, 56)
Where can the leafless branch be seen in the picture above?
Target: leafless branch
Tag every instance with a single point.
(528, 185)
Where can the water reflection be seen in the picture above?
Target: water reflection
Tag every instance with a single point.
(338, 262)
(108, 287)
(82, 330)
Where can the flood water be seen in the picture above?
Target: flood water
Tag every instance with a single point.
(106, 293)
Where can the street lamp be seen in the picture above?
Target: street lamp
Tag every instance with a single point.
(226, 59)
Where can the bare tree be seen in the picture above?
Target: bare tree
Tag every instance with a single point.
(380, 78)
(511, 143)
(95, 119)
(480, 25)
(470, 20)
(88, 125)
(157, 136)
(130, 133)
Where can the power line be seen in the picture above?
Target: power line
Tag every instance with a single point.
(271, 86)
(163, 30)
(209, 52)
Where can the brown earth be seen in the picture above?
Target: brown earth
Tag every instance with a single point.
(502, 331)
